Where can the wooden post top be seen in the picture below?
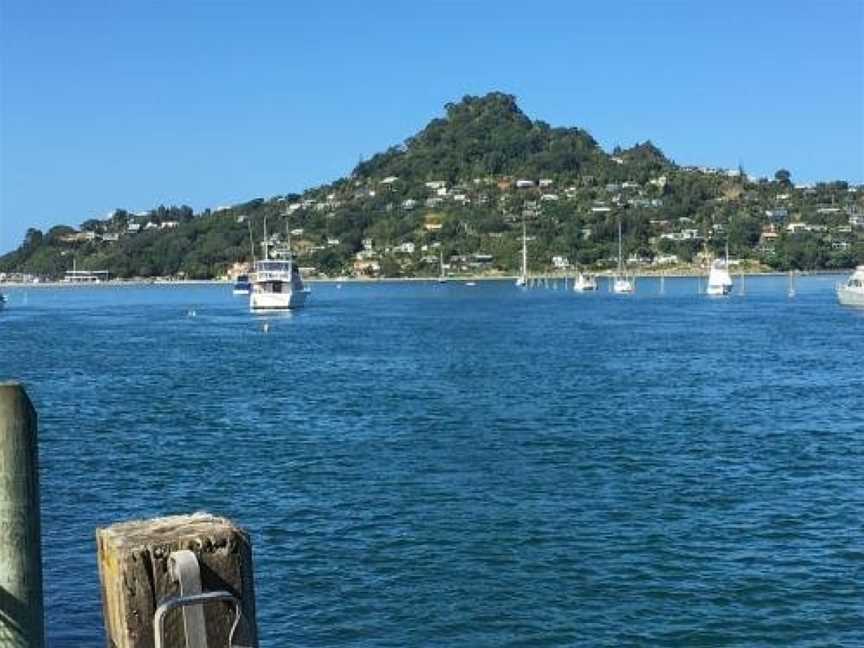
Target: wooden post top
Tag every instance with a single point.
(136, 577)
(194, 531)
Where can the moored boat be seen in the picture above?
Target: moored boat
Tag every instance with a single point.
(242, 285)
(584, 282)
(621, 285)
(276, 283)
(851, 292)
(522, 279)
(719, 280)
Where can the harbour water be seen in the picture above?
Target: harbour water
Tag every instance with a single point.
(425, 464)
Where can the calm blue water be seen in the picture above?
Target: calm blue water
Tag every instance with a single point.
(439, 465)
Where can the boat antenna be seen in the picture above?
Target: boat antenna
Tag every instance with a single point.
(266, 242)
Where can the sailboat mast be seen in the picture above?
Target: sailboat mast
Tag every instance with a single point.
(251, 243)
(620, 249)
(524, 251)
(266, 242)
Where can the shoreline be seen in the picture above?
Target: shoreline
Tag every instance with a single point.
(115, 283)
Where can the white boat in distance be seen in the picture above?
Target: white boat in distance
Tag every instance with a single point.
(621, 284)
(522, 280)
(719, 280)
(584, 282)
(277, 284)
(851, 293)
(242, 286)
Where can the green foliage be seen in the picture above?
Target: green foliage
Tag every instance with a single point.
(480, 147)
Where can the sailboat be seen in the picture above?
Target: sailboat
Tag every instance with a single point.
(584, 282)
(719, 280)
(522, 280)
(442, 276)
(621, 284)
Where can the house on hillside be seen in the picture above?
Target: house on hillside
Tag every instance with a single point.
(524, 184)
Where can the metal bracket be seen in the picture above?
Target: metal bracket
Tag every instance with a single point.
(183, 568)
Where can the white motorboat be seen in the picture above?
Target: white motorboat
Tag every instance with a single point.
(621, 285)
(584, 282)
(522, 280)
(719, 280)
(276, 283)
(851, 293)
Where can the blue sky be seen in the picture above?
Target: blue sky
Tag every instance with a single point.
(121, 104)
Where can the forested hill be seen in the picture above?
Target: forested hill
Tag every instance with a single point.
(462, 186)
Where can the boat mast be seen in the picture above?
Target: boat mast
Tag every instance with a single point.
(441, 264)
(524, 251)
(266, 243)
(251, 243)
(620, 251)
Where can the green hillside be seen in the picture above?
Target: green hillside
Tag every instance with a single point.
(462, 187)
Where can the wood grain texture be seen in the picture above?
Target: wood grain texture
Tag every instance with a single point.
(133, 568)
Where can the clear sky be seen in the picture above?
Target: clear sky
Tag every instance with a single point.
(132, 104)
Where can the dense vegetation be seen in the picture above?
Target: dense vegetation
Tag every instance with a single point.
(461, 188)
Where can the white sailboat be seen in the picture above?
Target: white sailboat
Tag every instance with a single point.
(522, 280)
(584, 282)
(851, 293)
(276, 283)
(719, 280)
(621, 285)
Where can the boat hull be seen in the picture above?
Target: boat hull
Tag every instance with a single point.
(623, 287)
(718, 291)
(269, 301)
(848, 297)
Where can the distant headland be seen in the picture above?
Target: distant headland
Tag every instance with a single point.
(460, 190)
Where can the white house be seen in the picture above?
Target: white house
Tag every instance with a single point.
(546, 182)
(560, 262)
(405, 248)
(436, 184)
(524, 184)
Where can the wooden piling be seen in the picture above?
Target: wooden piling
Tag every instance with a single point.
(135, 578)
(21, 615)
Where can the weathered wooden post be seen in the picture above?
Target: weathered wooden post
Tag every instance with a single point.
(21, 620)
(152, 566)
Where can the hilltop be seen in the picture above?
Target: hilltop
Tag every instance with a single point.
(461, 187)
